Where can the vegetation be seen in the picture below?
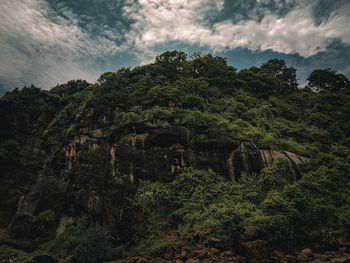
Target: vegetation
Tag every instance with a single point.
(206, 207)
(263, 104)
(85, 242)
(327, 79)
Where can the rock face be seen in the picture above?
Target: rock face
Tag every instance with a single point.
(97, 173)
(257, 250)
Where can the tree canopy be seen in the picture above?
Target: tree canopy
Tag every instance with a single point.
(327, 79)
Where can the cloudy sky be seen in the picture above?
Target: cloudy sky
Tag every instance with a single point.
(46, 42)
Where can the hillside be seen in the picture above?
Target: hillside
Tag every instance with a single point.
(179, 159)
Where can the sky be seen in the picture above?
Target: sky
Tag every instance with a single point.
(46, 42)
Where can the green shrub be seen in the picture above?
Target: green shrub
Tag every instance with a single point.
(276, 176)
(202, 201)
(151, 245)
(345, 219)
(272, 227)
(67, 133)
(18, 256)
(208, 207)
(47, 216)
(94, 246)
(193, 102)
(220, 220)
(87, 243)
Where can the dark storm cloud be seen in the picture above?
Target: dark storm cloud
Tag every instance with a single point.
(102, 17)
(324, 9)
(240, 10)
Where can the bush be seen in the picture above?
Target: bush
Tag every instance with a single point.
(151, 245)
(203, 203)
(8, 254)
(94, 246)
(272, 227)
(87, 243)
(345, 219)
(47, 216)
(276, 176)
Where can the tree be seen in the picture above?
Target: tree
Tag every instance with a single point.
(70, 87)
(107, 76)
(172, 57)
(215, 70)
(170, 63)
(327, 79)
(94, 245)
(272, 78)
(278, 69)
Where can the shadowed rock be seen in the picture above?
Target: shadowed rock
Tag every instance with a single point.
(98, 174)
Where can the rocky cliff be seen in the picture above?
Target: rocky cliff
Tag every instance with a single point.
(98, 174)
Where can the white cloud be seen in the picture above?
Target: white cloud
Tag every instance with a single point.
(38, 46)
(44, 50)
(160, 21)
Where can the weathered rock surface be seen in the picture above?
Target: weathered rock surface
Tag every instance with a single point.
(302, 257)
(257, 250)
(97, 173)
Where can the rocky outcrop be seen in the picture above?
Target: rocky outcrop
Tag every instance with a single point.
(160, 154)
(256, 251)
(97, 174)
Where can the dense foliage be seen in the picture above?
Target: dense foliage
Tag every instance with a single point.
(202, 206)
(85, 242)
(263, 104)
(327, 79)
